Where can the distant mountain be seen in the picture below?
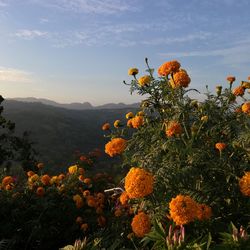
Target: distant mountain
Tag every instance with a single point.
(58, 132)
(76, 105)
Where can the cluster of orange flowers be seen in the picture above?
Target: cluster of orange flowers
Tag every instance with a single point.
(141, 224)
(135, 122)
(115, 147)
(173, 128)
(245, 184)
(183, 210)
(7, 183)
(138, 183)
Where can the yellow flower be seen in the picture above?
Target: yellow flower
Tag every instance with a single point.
(115, 147)
(204, 118)
(246, 107)
(245, 184)
(133, 71)
(168, 68)
(129, 115)
(117, 123)
(144, 80)
(183, 209)
(173, 128)
(72, 169)
(245, 85)
(180, 79)
(138, 183)
(141, 224)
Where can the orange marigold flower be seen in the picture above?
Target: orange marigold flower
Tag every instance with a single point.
(78, 200)
(133, 71)
(138, 183)
(117, 123)
(40, 165)
(54, 180)
(30, 173)
(129, 123)
(183, 209)
(91, 201)
(81, 178)
(220, 146)
(129, 115)
(115, 147)
(118, 212)
(34, 178)
(124, 198)
(72, 169)
(141, 224)
(101, 220)
(239, 91)
(84, 227)
(7, 180)
(248, 78)
(86, 193)
(168, 68)
(180, 79)
(137, 121)
(40, 191)
(87, 181)
(45, 179)
(204, 212)
(144, 80)
(106, 126)
(8, 187)
(245, 184)
(173, 128)
(61, 176)
(231, 79)
(246, 107)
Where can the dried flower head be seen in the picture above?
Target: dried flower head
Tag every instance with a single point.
(239, 91)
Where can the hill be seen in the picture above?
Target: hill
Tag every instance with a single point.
(75, 105)
(58, 132)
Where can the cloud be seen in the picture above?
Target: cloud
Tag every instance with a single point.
(3, 3)
(30, 34)
(14, 75)
(89, 6)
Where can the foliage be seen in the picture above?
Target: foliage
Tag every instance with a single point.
(12, 147)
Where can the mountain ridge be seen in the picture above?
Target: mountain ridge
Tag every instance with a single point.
(75, 105)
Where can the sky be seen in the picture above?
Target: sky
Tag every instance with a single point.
(81, 50)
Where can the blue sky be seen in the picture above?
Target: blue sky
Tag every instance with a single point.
(80, 50)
